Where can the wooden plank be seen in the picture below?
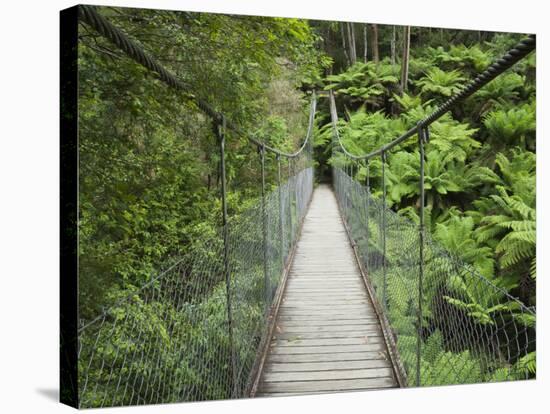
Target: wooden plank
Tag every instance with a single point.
(367, 339)
(327, 336)
(328, 294)
(358, 285)
(313, 274)
(351, 317)
(331, 385)
(322, 306)
(344, 356)
(328, 349)
(364, 309)
(328, 366)
(318, 322)
(325, 297)
(341, 312)
(327, 301)
(306, 301)
(326, 283)
(326, 290)
(327, 329)
(320, 279)
(323, 335)
(328, 375)
(293, 394)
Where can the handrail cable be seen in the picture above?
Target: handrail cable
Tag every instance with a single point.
(92, 17)
(385, 266)
(514, 55)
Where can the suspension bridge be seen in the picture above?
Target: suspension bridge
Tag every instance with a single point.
(314, 289)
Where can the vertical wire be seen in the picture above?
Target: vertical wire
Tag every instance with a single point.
(281, 226)
(421, 137)
(290, 200)
(367, 215)
(385, 282)
(264, 230)
(221, 136)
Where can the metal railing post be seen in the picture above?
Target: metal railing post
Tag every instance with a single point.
(291, 232)
(422, 139)
(385, 282)
(281, 224)
(367, 215)
(264, 231)
(220, 130)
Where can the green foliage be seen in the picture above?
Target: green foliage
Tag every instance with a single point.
(505, 88)
(409, 102)
(365, 82)
(149, 191)
(471, 58)
(517, 173)
(513, 224)
(456, 234)
(515, 126)
(148, 160)
(528, 363)
(437, 82)
(480, 208)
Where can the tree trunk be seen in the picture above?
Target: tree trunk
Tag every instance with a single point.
(365, 42)
(352, 27)
(344, 42)
(405, 60)
(392, 45)
(351, 44)
(374, 43)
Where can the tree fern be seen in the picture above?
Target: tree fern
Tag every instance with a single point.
(518, 173)
(504, 88)
(440, 83)
(364, 81)
(408, 102)
(453, 140)
(514, 223)
(456, 234)
(512, 126)
(528, 363)
(451, 368)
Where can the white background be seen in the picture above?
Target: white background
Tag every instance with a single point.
(29, 176)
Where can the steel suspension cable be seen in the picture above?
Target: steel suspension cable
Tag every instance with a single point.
(514, 55)
(93, 18)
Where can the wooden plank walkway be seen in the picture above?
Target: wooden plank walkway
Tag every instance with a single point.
(327, 336)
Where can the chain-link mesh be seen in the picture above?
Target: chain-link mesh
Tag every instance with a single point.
(194, 332)
(169, 341)
(471, 329)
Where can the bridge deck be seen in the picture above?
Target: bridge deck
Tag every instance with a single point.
(327, 336)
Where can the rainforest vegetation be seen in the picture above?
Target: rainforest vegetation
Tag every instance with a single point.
(149, 183)
(479, 177)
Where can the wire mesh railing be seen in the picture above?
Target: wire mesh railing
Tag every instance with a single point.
(470, 331)
(446, 323)
(196, 331)
(169, 341)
